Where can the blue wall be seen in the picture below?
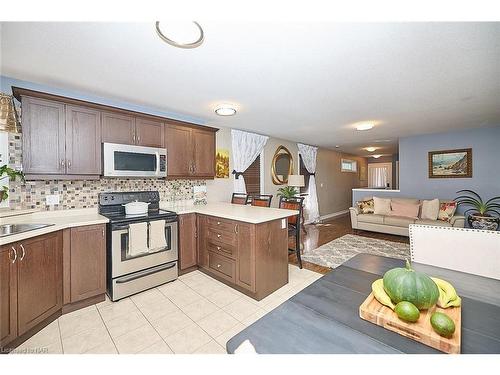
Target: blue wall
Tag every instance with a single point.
(413, 164)
(6, 84)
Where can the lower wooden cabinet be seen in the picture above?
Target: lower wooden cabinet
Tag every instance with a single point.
(187, 241)
(84, 263)
(8, 295)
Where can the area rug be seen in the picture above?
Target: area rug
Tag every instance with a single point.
(336, 252)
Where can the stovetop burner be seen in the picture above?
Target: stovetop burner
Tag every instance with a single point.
(111, 206)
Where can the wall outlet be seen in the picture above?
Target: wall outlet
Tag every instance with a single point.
(51, 200)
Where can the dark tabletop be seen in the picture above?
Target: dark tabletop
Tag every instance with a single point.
(324, 317)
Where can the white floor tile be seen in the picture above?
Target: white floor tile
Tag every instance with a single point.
(117, 309)
(171, 323)
(74, 324)
(254, 317)
(137, 340)
(223, 338)
(82, 342)
(211, 348)
(223, 297)
(241, 309)
(188, 339)
(125, 323)
(199, 309)
(217, 323)
(159, 347)
(107, 347)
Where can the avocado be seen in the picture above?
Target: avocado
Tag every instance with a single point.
(442, 324)
(407, 311)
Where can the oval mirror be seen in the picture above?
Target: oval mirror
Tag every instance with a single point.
(281, 166)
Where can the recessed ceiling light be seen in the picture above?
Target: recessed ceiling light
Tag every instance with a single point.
(370, 149)
(181, 34)
(225, 110)
(376, 156)
(364, 126)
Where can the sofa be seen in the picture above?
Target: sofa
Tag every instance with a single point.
(397, 225)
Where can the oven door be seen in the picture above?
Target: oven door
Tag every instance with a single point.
(123, 263)
(134, 161)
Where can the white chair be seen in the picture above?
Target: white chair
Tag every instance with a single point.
(466, 250)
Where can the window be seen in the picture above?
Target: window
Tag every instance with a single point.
(349, 165)
(252, 177)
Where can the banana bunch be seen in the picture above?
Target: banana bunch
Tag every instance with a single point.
(380, 294)
(447, 294)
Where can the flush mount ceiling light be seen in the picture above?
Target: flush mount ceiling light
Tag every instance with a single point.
(376, 156)
(181, 34)
(370, 149)
(365, 126)
(225, 110)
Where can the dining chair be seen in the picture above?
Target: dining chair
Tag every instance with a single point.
(262, 200)
(294, 222)
(239, 198)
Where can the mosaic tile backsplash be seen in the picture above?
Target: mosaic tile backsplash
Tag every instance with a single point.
(83, 194)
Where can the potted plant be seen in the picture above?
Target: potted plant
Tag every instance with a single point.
(287, 192)
(483, 215)
(5, 171)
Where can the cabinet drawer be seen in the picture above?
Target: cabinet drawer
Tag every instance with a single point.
(221, 225)
(222, 237)
(222, 266)
(222, 249)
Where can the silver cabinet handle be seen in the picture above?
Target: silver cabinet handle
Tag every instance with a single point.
(236, 229)
(24, 252)
(63, 163)
(69, 163)
(133, 138)
(218, 223)
(15, 255)
(102, 232)
(218, 247)
(138, 139)
(218, 266)
(219, 236)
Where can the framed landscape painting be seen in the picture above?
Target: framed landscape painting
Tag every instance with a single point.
(450, 163)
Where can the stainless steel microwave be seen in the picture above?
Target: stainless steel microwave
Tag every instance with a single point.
(134, 161)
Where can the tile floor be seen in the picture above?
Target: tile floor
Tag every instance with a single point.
(194, 314)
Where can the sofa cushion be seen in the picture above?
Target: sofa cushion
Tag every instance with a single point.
(430, 209)
(404, 209)
(371, 218)
(381, 206)
(398, 221)
(446, 210)
(438, 223)
(406, 200)
(365, 207)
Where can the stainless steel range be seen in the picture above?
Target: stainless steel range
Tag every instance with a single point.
(142, 249)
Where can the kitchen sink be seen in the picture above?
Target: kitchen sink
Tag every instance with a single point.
(10, 229)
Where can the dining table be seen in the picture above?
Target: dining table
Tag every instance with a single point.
(324, 317)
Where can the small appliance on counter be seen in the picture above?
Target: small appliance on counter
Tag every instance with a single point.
(142, 246)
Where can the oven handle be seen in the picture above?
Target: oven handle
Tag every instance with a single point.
(157, 163)
(145, 273)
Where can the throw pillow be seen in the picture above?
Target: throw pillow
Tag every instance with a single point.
(430, 209)
(447, 210)
(404, 209)
(366, 206)
(381, 206)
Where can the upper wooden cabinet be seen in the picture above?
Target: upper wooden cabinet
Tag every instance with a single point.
(60, 139)
(190, 152)
(44, 136)
(118, 128)
(149, 133)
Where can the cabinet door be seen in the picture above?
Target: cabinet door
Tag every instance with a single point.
(202, 242)
(87, 262)
(203, 143)
(43, 137)
(149, 133)
(83, 140)
(245, 266)
(187, 241)
(118, 128)
(179, 152)
(39, 279)
(8, 295)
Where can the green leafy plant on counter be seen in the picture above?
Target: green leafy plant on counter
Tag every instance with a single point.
(12, 174)
(287, 192)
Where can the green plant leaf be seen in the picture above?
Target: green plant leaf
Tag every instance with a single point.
(470, 192)
(492, 200)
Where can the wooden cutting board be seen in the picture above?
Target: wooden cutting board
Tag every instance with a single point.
(421, 331)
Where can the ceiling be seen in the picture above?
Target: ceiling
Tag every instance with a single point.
(307, 82)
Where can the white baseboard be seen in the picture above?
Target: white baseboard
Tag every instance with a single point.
(334, 214)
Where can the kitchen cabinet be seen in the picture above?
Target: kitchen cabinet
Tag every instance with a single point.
(149, 133)
(60, 139)
(86, 267)
(118, 128)
(44, 150)
(190, 152)
(132, 130)
(252, 258)
(8, 295)
(187, 241)
(83, 140)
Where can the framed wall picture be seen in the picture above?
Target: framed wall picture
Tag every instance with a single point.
(450, 163)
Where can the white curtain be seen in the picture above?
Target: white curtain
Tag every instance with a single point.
(309, 154)
(377, 176)
(246, 147)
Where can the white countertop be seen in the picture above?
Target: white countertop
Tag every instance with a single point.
(238, 212)
(61, 219)
(6, 212)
